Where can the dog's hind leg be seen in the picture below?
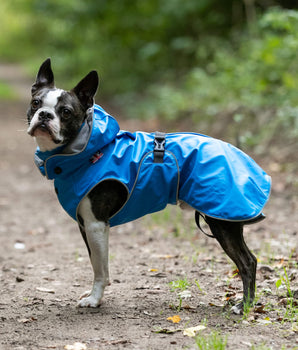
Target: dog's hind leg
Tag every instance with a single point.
(230, 237)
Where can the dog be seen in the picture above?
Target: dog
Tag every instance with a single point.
(104, 176)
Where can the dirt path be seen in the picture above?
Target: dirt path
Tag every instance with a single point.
(44, 266)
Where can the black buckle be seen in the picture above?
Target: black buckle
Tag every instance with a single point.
(159, 146)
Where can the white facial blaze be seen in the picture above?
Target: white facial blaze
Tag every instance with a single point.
(51, 98)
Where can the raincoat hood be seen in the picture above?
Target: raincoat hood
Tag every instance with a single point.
(98, 130)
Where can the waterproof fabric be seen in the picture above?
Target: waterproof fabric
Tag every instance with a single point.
(210, 175)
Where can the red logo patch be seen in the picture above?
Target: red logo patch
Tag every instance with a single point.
(96, 156)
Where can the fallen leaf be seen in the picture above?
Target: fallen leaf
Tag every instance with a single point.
(27, 320)
(149, 313)
(76, 346)
(153, 270)
(260, 309)
(265, 321)
(192, 331)
(174, 319)
(188, 307)
(45, 290)
(117, 342)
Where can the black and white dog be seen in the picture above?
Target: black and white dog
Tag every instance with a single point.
(55, 119)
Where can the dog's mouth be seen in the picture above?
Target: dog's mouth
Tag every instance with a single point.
(43, 130)
(40, 128)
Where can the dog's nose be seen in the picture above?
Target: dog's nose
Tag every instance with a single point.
(44, 115)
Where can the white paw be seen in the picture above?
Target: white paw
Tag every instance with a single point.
(88, 300)
(237, 309)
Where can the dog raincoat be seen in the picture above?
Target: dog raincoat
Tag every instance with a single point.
(212, 176)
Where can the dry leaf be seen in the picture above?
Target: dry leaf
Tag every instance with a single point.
(27, 320)
(117, 342)
(265, 321)
(260, 309)
(174, 319)
(45, 290)
(76, 346)
(192, 331)
(188, 307)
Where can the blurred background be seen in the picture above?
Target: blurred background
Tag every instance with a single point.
(227, 68)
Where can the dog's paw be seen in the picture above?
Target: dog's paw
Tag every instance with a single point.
(237, 309)
(88, 300)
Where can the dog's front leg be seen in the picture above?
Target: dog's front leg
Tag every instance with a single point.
(96, 235)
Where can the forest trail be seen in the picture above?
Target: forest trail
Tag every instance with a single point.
(44, 265)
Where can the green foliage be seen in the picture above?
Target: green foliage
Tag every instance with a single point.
(252, 74)
(181, 286)
(292, 309)
(207, 61)
(5, 92)
(214, 341)
(128, 41)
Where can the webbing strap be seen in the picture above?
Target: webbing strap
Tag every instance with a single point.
(159, 146)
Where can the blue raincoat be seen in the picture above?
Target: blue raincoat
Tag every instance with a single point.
(212, 176)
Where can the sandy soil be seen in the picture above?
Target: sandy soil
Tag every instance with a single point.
(44, 266)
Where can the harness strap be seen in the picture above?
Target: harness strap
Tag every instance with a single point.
(159, 146)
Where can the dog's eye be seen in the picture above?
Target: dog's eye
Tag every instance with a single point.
(35, 104)
(66, 113)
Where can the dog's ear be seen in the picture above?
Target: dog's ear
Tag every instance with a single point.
(86, 89)
(44, 78)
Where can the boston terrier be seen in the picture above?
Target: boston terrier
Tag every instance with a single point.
(104, 176)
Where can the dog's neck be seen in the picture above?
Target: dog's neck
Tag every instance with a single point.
(80, 141)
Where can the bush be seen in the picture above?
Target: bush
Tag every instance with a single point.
(206, 62)
(252, 79)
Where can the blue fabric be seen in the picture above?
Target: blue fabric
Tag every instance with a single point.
(210, 175)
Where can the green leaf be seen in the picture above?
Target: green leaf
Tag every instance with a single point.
(278, 283)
